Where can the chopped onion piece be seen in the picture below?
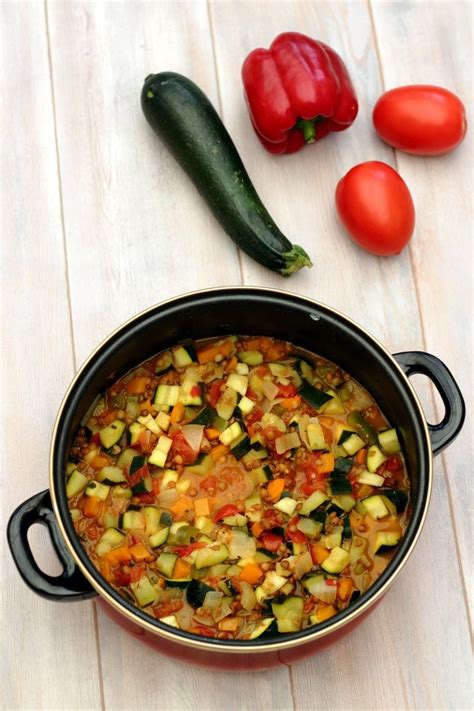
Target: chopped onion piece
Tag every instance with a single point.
(212, 599)
(193, 436)
(241, 545)
(167, 497)
(222, 611)
(323, 591)
(302, 427)
(286, 442)
(302, 564)
(248, 598)
(270, 390)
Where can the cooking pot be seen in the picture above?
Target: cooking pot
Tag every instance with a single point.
(220, 312)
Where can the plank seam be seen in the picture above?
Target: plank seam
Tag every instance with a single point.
(60, 189)
(221, 107)
(424, 342)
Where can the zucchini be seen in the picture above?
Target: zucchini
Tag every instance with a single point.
(196, 592)
(159, 537)
(111, 434)
(261, 627)
(152, 519)
(312, 502)
(384, 540)
(240, 446)
(144, 591)
(187, 396)
(108, 540)
(246, 405)
(203, 465)
(398, 498)
(165, 564)
(389, 441)
(183, 356)
(314, 397)
(226, 404)
(364, 428)
(100, 491)
(134, 432)
(111, 475)
(160, 453)
(127, 456)
(131, 520)
(209, 556)
(375, 457)
(251, 358)
(336, 561)
(187, 123)
(288, 613)
(76, 483)
(164, 363)
(204, 416)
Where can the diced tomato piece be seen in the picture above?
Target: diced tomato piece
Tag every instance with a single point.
(167, 608)
(215, 392)
(227, 510)
(287, 390)
(180, 446)
(137, 476)
(205, 631)
(146, 498)
(122, 579)
(95, 439)
(295, 536)
(136, 573)
(251, 394)
(271, 541)
(255, 416)
(183, 551)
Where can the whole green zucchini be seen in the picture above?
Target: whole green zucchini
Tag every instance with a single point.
(187, 123)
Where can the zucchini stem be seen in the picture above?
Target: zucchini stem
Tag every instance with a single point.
(295, 259)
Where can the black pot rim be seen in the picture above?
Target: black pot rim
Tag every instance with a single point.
(137, 616)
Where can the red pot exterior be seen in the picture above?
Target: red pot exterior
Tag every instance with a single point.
(226, 661)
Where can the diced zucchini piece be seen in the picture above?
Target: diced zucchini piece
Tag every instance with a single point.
(70, 466)
(210, 556)
(152, 519)
(122, 492)
(314, 397)
(159, 537)
(398, 498)
(76, 483)
(336, 561)
(126, 458)
(235, 520)
(160, 453)
(108, 540)
(242, 369)
(287, 505)
(165, 564)
(246, 405)
(144, 486)
(134, 432)
(289, 614)
(167, 395)
(280, 370)
(168, 475)
(334, 406)
(370, 479)
(75, 514)
(376, 506)
(131, 520)
(190, 393)
(261, 475)
(271, 584)
(240, 446)
(163, 421)
(201, 467)
(251, 358)
(264, 556)
(375, 458)
(170, 620)
(389, 442)
(270, 419)
(204, 416)
(150, 424)
(181, 356)
(261, 627)
(345, 502)
(309, 527)
(315, 435)
(230, 433)
(333, 539)
(385, 539)
(312, 502)
(239, 383)
(111, 475)
(339, 485)
(352, 444)
(164, 363)
(111, 434)
(204, 524)
(144, 591)
(95, 488)
(226, 404)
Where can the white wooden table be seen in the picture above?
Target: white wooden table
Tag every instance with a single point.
(99, 223)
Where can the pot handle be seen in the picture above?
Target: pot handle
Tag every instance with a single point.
(71, 584)
(445, 431)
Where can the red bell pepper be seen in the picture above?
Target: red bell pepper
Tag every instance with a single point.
(297, 92)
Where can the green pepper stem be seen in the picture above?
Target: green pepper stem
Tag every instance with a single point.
(309, 131)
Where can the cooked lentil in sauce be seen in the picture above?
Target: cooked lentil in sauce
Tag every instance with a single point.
(238, 487)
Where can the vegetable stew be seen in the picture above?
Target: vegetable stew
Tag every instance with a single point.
(238, 487)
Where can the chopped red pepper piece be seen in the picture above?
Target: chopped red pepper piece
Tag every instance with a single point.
(138, 475)
(122, 579)
(287, 390)
(297, 92)
(295, 536)
(271, 541)
(183, 551)
(227, 510)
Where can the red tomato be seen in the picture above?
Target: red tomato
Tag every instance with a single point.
(287, 390)
(121, 579)
(271, 541)
(420, 119)
(375, 206)
(215, 392)
(227, 510)
(184, 551)
(295, 536)
(180, 446)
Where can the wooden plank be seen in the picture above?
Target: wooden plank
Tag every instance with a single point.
(435, 47)
(42, 643)
(380, 294)
(138, 232)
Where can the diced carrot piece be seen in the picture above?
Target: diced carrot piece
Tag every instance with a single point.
(326, 463)
(91, 507)
(344, 588)
(119, 555)
(326, 421)
(275, 489)
(291, 403)
(251, 573)
(361, 456)
(220, 450)
(181, 569)
(328, 434)
(208, 353)
(319, 553)
(325, 612)
(177, 413)
(211, 433)
(231, 365)
(257, 529)
(109, 417)
(140, 554)
(364, 491)
(106, 570)
(201, 506)
(138, 385)
(181, 506)
(99, 461)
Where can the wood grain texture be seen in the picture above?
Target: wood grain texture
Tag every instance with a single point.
(137, 232)
(39, 638)
(435, 47)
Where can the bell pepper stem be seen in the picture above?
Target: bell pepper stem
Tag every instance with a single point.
(309, 131)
